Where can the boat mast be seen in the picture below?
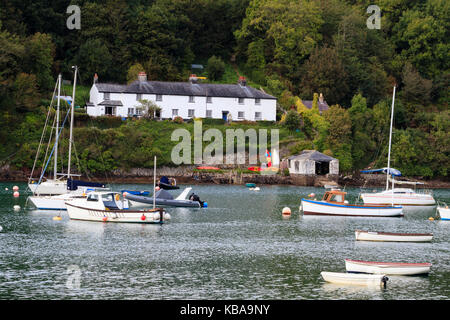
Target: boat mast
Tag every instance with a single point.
(154, 183)
(390, 141)
(71, 119)
(57, 129)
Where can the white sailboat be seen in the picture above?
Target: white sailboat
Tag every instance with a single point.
(53, 193)
(393, 195)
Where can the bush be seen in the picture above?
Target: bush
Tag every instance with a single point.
(215, 68)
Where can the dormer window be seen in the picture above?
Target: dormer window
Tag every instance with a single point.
(159, 97)
(241, 100)
(257, 101)
(191, 99)
(138, 96)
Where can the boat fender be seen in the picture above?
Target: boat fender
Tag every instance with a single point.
(143, 217)
(167, 216)
(105, 218)
(117, 197)
(156, 216)
(205, 204)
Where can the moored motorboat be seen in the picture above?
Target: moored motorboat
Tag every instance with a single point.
(387, 268)
(333, 203)
(111, 207)
(165, 199)
(355, 279)
(362, 235)
(444, 212)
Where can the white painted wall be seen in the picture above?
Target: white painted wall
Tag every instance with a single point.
(267, 107)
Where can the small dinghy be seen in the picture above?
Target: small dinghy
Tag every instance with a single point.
(165, 199)
(389, 268)
(355, 279)
(362, 235)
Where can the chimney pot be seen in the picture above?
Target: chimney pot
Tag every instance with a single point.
(95, 78)
(142, 76)
(242, 81)
(193, 78)
(321, 98)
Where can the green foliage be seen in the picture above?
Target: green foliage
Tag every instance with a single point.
(215, 68)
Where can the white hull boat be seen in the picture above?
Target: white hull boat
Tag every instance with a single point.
(362, 235)
(387, 268)
(444, 212)
(399, 196)
(355, 279)
(333, 204)
(111, 207)
(49, 187)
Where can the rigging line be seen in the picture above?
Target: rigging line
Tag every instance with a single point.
(53, 149)
(43, 133)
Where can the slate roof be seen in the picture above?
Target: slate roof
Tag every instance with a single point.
(322, 105)
(113, 103)
(312, 155)
(185, 89)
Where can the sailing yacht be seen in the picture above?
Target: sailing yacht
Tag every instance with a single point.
(53, 193)
(393, 195)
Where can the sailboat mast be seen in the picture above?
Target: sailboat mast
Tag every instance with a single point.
(57, 128)
(390, 141)
(71, 120)
(154, 183)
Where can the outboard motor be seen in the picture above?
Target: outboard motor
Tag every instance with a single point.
(194, 197)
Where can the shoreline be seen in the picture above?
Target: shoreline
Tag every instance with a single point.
(235, 178)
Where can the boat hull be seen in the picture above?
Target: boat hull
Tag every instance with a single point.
(444, 213)
(126, 216)
(311, 207)
(49, 187)
(361, 235)
(354, 279)
(387, 268)
(141, 201)
(412, 199)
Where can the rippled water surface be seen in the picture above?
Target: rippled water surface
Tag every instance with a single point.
(239, 247)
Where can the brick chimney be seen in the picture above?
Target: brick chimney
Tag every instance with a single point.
(242, 81)
(193, 78)
(95, 78)
(142, 76)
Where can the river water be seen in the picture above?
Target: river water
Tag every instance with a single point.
(239, 247)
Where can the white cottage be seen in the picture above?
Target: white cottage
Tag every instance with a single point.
(184, 99)
(312, 162)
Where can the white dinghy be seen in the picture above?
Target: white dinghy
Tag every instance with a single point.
(389, 268)
(362, 235)
(355, 279)
(444, 212)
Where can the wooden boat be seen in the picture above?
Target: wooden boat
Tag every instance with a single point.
(362, 235)
(444, 212)
(355, 279)
(387, 268)
(333, 203)
(111, 207)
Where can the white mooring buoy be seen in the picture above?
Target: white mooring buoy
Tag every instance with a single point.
(16, 207)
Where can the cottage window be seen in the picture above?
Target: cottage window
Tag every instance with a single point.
(174, 112)
(257, 101)
(209, 113)
(297, 166)
(138, 96)
(138, 111)
(191, 99)
(159, 97)
(106, 95)
(241, 115)
(258, 116)
(241, 100)
(130, 111)
(208, 99)
(191, 113)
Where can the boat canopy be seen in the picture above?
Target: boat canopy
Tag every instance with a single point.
(74, 184)
(164, 179)
(392, 171)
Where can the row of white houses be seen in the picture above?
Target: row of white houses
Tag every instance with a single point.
(182, 99)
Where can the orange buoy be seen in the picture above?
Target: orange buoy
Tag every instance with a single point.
(105, 219)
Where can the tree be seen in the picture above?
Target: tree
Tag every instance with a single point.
(215, 68)
(150, 109)
(293, 120)
(415, 88)
(39, 59)
(133, 72)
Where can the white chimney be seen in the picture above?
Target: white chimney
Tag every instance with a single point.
(142, 76)
(95, 78)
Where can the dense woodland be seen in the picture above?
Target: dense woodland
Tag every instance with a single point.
(293, 49)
